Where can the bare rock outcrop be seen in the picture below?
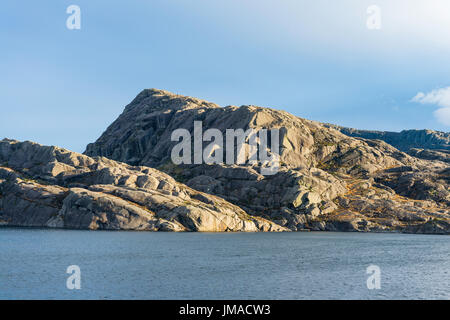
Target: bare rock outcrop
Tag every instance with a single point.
(440, 155)
(319, 166)
(142, 134)
(53, 187)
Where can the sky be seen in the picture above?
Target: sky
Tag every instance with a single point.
(340, 62)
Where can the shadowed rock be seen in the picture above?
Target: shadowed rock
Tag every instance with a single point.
(404, 140)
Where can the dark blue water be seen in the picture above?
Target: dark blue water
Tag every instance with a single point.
(146, 265)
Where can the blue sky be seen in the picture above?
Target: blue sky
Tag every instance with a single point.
(315, 59)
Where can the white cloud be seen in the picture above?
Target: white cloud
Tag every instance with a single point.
(443, 115)
(439, 97)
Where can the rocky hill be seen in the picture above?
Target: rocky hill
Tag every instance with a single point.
(42, 186)
(327, 180)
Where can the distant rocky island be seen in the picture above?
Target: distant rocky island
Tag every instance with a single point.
(330, 178)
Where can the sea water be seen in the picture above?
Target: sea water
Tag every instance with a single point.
(157, 265)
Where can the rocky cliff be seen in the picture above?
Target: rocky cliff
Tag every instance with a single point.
(327, 180)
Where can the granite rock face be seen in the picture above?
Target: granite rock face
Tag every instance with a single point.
(43, 186)
(327, 179)
(142, 134)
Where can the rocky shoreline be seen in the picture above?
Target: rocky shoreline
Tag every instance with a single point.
(44, 186)
(327, 181)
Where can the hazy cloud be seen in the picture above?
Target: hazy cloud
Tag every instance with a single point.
(439, 97)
